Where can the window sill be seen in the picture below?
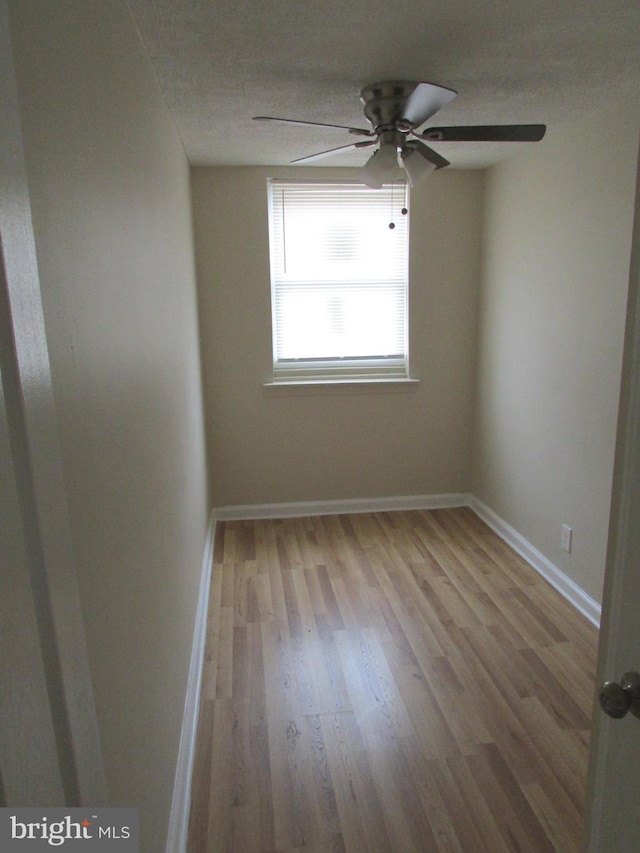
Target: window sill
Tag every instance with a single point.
(344, 384)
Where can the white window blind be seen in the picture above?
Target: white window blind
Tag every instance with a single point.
(339, 279)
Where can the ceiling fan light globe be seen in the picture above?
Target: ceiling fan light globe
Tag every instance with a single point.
(416, 167)
(381, 167)
(369, 174)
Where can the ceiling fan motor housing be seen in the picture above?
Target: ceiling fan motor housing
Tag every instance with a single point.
(384, 103)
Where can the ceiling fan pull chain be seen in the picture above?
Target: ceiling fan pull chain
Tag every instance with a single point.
(392, 224)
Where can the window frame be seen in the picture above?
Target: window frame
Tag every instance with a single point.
(339, 369)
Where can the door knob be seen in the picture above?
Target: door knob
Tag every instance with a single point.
(617, 699)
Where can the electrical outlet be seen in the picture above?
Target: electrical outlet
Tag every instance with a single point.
(567, 535)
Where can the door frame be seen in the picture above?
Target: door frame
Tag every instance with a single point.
(40, 587)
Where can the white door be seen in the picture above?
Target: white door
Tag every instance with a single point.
(613, 794)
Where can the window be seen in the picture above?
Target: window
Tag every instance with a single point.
(339, 281)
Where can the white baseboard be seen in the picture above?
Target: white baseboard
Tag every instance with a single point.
(551, 573)
(181, 802)
(340, 507)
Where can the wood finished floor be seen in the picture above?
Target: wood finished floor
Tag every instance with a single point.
(388, 682)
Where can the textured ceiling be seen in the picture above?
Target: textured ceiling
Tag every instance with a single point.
(220, 62)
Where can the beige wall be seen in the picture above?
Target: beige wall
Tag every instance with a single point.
(269, 446)
(557, 237)
(109, 186)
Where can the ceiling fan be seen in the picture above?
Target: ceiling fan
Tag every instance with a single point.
(395, 109)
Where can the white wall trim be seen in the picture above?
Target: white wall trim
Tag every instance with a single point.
(551, 573)
(340, 507)
(181, 802)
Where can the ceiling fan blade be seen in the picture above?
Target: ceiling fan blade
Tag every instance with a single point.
(486, 133)
(357, 131)
(428, 153)
(331, 151)
(425, 100)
